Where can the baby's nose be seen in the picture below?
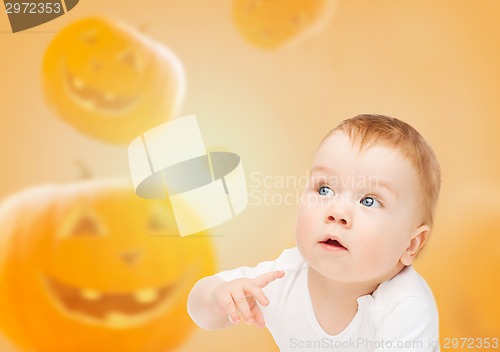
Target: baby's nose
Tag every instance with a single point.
(339, 215)
(343, 221)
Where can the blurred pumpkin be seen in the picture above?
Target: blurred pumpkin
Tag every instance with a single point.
(90, 266)
(462, 264)
(269, 24)
(110, 81)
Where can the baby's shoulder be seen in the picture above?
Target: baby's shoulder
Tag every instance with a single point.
(290, 260)
(404, 304)
(407, 286)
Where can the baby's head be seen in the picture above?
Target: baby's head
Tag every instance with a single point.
(369, 204)
(365, 131)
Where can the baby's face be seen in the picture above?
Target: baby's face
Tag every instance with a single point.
(358, 212)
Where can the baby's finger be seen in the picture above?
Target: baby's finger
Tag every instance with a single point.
(233, 320)
(242, 304)
(258, 294)
(258, 317)
(264, 279)
(230, 308)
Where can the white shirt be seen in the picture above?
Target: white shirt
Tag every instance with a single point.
(400, 315)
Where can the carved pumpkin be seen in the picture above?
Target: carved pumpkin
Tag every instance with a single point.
(269, 24)
(92, 267)
(110, 81)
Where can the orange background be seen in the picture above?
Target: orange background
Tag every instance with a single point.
(431, 63)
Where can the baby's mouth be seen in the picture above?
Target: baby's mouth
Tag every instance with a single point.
(333, 243)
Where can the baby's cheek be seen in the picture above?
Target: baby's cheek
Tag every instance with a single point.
(304, 220)
(377, 255)
(303, 232)
(306, 233)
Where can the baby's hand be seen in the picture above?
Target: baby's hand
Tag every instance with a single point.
(240, 296)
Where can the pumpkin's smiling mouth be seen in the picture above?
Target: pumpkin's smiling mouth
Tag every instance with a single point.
(93, 99)
(111, 309)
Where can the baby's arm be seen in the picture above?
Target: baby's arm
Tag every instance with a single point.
(215, 304)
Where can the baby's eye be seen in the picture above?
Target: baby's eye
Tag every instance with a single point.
(371, 202)
(325, 191)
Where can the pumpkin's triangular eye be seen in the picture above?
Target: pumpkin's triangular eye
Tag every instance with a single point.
(156, 224)
(86, 226)
(130, 58)
(90, 37)
(81, 221)
(162, 219)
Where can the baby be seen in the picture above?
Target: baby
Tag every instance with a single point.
(349, 285)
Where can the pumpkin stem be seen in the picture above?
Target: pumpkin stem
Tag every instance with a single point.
(85, 173)
(143, 27)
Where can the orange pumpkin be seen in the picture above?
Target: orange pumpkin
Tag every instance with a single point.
(269, 24)
(110, 81)
(92, 267)
(462, 265)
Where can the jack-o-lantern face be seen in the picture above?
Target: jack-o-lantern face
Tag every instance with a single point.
(109, 81)
(91, 266)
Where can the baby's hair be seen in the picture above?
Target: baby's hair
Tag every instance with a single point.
(368, 130)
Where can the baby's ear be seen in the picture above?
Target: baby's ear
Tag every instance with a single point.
(417, 242)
